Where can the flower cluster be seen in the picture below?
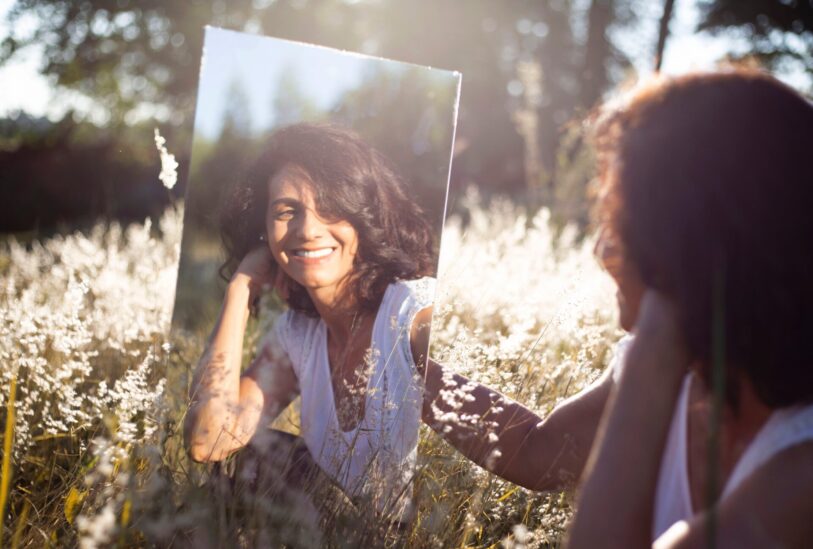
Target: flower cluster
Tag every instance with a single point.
(80, 318)
(521, 307)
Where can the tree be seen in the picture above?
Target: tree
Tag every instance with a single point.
(236, 115)
(290, 103)
(663, 32)
(780, 31)
(129, 55)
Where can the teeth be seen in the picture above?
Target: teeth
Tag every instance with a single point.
(313, 253)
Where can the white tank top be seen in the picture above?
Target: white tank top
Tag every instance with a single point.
(376, 459)
(786, 427)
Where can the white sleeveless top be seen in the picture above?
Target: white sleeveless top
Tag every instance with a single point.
(376, 459)
(786, 427)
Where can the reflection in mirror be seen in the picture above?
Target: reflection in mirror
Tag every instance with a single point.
(313, 214)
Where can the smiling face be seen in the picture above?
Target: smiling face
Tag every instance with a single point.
(317, 253)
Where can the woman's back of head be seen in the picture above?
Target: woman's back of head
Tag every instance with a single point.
(708, 183)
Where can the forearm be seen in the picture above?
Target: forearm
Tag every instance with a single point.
(211, 423)
(470, 416)
(616, 503)
(507, 438)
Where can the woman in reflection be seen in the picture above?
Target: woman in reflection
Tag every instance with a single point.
(324, 221)
(707, 189)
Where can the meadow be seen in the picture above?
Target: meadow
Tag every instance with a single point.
(93, 390)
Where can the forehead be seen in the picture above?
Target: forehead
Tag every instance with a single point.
(291, 182)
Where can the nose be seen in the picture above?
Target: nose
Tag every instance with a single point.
(310, 226)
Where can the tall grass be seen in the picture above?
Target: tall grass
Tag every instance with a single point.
(97, 457)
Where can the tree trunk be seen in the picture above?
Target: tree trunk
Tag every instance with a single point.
(663, 32)
(596, 52)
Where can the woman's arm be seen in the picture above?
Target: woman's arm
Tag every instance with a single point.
(225, 407)
(615, 508)
(503, 436)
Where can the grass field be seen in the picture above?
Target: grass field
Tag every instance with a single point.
(92, 390)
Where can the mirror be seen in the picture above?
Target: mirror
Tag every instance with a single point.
(316, 199)
(251, 86)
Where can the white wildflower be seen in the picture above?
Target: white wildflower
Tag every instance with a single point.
(97, 531)
(70, 300)
(169, 166)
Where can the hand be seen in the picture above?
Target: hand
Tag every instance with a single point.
(258, 269)
(658, 335)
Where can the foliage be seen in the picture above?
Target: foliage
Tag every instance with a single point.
(779, 32)
(98, 460)
(140, 59)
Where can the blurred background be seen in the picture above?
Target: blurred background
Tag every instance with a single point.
(83, 84)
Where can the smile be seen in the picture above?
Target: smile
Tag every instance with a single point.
(313, 254)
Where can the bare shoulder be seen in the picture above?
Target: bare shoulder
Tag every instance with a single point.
(777, 500)
(772, 507)
(422, 322)
(419, 334)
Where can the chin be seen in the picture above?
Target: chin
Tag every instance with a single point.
(626, 324)
(308, 277)
(313, 283)
(625, 317)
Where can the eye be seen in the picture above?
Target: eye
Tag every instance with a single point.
(284, 214)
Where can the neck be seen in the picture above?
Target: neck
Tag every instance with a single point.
(751, 414)
(339, 312)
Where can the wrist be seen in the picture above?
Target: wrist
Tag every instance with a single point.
(241, 287)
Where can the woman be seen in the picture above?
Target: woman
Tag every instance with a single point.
(707, 186)
(324, 221)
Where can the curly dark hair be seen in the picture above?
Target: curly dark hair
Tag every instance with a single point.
(351, 181)
(707, 182)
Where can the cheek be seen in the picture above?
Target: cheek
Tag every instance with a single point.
(348, 236)
(275, 234)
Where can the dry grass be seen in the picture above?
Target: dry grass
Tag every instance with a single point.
(97, 457)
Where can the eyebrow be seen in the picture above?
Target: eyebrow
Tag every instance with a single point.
(284, 202)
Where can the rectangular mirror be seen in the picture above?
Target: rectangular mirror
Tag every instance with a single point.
(315, 200)
(250, 86)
